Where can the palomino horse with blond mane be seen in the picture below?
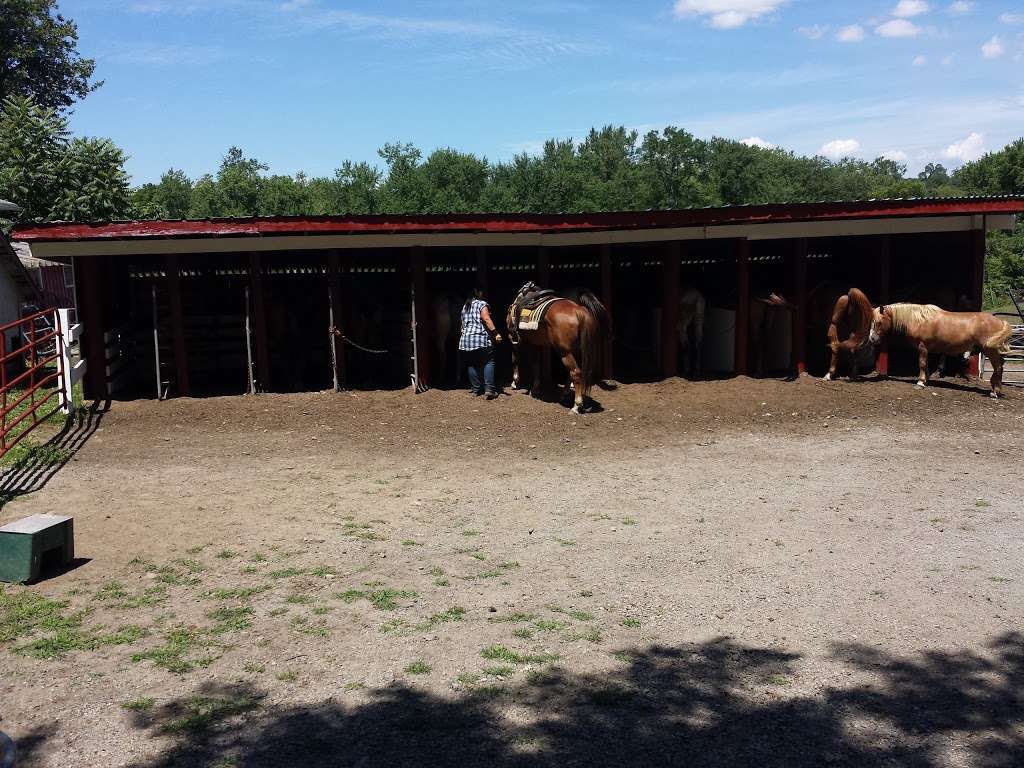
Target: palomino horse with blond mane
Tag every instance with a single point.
(576, 329)
(933, 329)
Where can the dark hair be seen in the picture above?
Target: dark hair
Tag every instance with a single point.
(476, 293)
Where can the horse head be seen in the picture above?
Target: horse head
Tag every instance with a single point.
(881, 323)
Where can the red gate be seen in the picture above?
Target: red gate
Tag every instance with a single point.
(40, 352)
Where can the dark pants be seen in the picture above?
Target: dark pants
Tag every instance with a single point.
(480, 361)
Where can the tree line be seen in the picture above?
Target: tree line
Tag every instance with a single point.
(54, 176)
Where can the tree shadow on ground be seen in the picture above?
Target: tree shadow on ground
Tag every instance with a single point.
(713, 704)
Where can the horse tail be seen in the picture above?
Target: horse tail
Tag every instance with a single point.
(860, 311)
(600, 312)
(1000, 340)
(590, 349)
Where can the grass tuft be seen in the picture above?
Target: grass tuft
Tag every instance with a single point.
(418, 668)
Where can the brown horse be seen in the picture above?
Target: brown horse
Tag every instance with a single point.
(851, 317)
(948, 333)
(576, 330)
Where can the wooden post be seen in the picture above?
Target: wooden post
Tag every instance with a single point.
(800, 296)
(742, 305)
(884, 297)
(670, 309)
(481, 270)
(259, 323)
(977, 246)
(544, 280)
(607, 299)
(177, 324)
(424, 337)
(88, 275)
(334, 297)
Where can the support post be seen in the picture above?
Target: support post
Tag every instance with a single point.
(334, 297)
(742, 305)
(884, 291)
(259, 323)
(977, 245)
(89, 273)
(670, 310)
(799, 342)
(607, 299)
(177, 324)
(544, 280)
(418, 271)
(482, 270)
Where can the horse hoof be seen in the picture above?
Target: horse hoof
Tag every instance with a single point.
(920, 384)
(994, 395)
(575, 410)
(827, 377)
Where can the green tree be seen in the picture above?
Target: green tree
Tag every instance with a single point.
(454, 182)
(171, 198)
(405, 190)
(39, 55)
(52, 177)
(93, 182)
(32, 141)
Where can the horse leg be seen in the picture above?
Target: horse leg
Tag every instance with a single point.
(997, 372)
(696, 349)
(834, 363)
(922, 364)
(941, 370)
(576, 377)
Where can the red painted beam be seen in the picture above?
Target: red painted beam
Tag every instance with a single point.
(884, 254)
(608, 300)
(799, 341)
(742, 305)
(670, 310)
(177, 324)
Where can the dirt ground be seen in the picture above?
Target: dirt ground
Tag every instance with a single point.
(752, 573)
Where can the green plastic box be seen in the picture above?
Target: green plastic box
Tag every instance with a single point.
(24, 542)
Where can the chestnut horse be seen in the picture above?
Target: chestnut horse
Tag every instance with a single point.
(948, 333)
(576, 330)
(851, 317)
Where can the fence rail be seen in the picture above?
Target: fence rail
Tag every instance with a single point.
(44, 352)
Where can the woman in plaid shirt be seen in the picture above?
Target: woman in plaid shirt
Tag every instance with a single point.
(476, 346)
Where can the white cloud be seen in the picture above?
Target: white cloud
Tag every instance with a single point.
(966, 150)
(906, 8)
(727, 14)
(1012, 18)
(920, 61)
(896, 155)
(898, 28)
(851, 34)
(757, 141)
(960, 8)
(814, 32)
(993, 49)
(839, 148)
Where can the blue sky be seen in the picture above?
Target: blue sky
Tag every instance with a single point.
(305, 84)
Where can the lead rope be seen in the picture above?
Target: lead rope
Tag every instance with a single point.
(337, 332)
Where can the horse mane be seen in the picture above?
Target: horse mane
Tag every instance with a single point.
(905, 315)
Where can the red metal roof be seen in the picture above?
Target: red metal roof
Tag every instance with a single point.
(518, 222)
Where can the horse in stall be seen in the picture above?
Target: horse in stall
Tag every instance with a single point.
(692, 307)
(933, 329)
(576, 329)
(851, 318)
(445, 311)
(829, 312)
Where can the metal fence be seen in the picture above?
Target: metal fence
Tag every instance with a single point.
(37, 374)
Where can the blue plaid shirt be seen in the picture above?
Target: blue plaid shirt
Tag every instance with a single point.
(474, 334)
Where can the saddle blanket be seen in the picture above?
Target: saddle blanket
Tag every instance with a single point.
(530, 319)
